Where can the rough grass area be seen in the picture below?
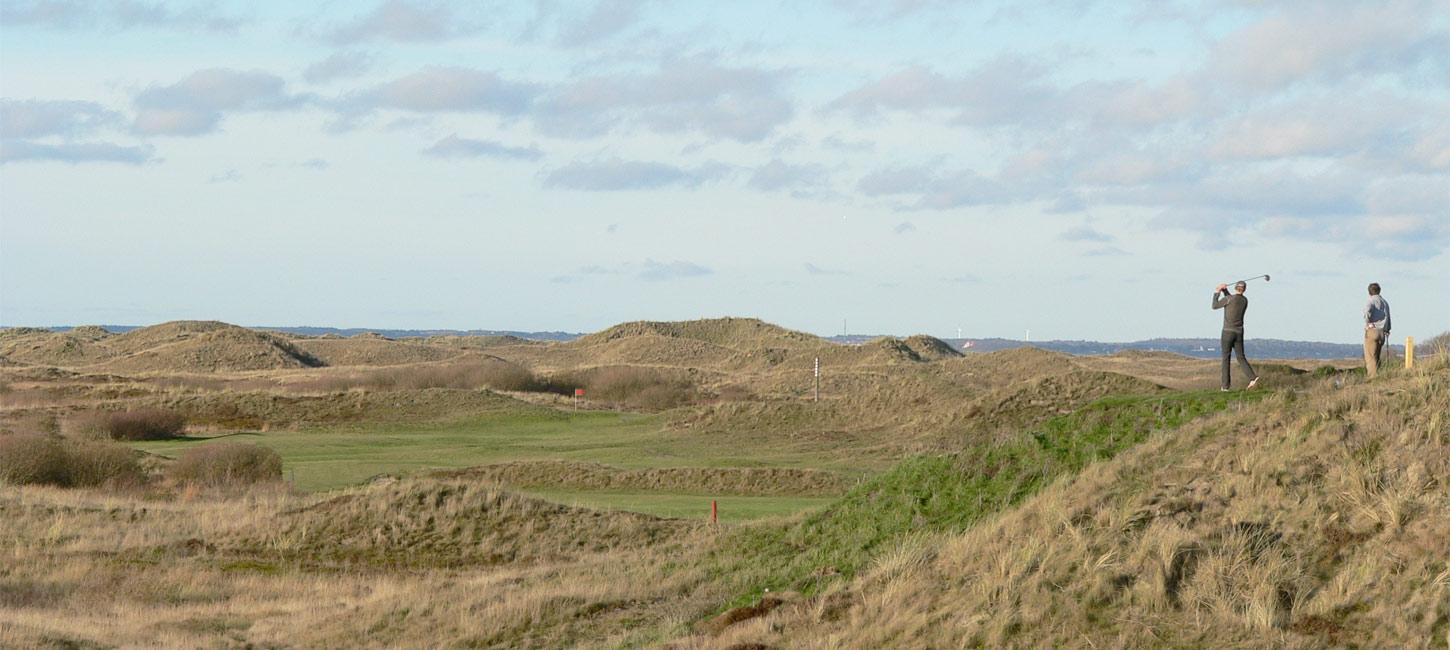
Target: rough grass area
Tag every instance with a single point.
(948, 493)
(1311, 520)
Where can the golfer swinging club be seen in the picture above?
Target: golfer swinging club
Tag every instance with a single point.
(1233, 307)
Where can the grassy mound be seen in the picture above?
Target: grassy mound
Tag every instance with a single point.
(205, 347)
(447, 523)
(738, 333)
(1304, 520)
(371, 351)
(690, 480)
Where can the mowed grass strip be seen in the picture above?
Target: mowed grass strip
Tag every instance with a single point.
(326, 459)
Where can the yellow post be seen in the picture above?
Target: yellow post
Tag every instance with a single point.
(1409, 352)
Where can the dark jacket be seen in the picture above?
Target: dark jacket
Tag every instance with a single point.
(1233, 306)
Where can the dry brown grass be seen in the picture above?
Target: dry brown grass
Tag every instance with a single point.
(1315, 518)
(637, 387)
(1304, 521)
(227, 464)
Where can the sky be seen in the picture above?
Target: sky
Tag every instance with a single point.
(1082, 169)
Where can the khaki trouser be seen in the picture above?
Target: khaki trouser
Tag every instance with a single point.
(1374, 343)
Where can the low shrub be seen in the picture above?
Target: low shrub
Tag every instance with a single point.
(224, 464)
(48, 460)
(631, 386)
(145, 424)
(90, 425)
(29, 459)
(93, 463)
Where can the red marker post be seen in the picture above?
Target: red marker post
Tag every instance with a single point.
(714, 513)
(578, 393)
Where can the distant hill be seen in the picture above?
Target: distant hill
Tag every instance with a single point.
(1202, 348)
(353, 331)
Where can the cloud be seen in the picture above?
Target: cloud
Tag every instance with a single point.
(1085, 233)
(614, 174)
(456, 147)
(39, 118)
(933, 190)
(114, 15)
(448, 89)
(685, 95)
(895, 180)
(605, 19)
(876, 10)
(903, 228)
(197, 104)
(812, 269)
(339, 65)
(228, 176)
(1008, 90)
(778, 176)
(404, 22)
(1105, 251)
(315, 163)
(659, 271)
(1331, 41)
(74, 152)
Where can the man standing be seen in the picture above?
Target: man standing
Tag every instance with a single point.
(1376, 328)
(1233, 307)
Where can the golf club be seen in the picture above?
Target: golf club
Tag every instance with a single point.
(1264, 276)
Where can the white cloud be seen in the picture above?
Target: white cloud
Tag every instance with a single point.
(448, 89)
(39, 118)
(197, 104)
(614, 174)
(678, 269)
(12, 151)
(114, 15)
(694, 94)
(405, 22)
(778, 175)
(338, 65)
(456, 147)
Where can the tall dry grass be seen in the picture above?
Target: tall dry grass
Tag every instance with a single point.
(493, 374)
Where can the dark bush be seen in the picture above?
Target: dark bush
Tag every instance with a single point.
(224, 464)
(145, 424)
(47, 460)
(27, 459)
